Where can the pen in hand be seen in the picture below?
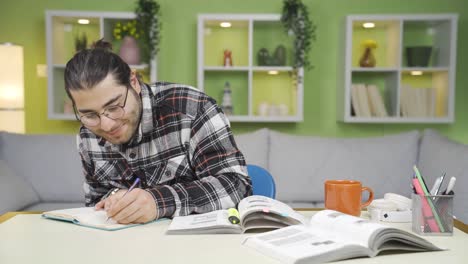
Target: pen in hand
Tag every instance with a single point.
(129, 190)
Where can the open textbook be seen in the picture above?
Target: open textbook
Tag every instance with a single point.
(86, 216)
(255, 212)
(332, 236)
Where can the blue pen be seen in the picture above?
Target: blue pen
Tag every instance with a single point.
(129, 190)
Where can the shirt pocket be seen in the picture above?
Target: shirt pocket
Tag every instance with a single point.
(167, 172)
(114, 172)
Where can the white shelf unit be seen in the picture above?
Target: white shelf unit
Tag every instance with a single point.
(61, 28)
(392, 75)
(253, 86)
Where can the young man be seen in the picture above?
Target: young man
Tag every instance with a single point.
(173, 138)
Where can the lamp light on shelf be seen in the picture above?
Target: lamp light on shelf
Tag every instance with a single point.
(368, 25)
(416, 73)
(83, 21)
(11, 88)
(225, 24)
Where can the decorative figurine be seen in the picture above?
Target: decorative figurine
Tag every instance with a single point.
(227, 58)
(226, 104)
(280, 55)
(367, 58)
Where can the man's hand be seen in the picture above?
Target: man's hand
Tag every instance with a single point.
(137, 206)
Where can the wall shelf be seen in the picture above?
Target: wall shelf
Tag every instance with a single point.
(401, 92)
(261, 92)
(61, 28)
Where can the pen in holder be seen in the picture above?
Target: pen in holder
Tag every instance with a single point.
(432, 214)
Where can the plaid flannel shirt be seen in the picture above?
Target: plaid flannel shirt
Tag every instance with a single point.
(183, 152)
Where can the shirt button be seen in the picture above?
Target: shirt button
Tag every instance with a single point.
(168, 173)
(132, 155)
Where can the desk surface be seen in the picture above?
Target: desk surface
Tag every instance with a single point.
(27, 238)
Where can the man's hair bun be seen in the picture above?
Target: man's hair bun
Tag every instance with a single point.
(102, 44)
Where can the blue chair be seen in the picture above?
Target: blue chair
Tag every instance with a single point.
(262, 181)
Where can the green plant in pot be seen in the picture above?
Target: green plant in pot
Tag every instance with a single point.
(128, 33)
(147, 12)
(418, 56)
(295, 19)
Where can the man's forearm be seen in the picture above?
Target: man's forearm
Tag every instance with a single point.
(205, 195)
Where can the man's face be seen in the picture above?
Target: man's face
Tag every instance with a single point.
(108, 93)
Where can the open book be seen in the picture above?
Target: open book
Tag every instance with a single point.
(86, 216)
(255, 212)
(332, 236)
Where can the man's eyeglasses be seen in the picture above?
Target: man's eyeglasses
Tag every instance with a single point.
(94, 119)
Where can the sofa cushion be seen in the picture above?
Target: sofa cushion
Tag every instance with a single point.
(254, 146)
(49, 162)
(301, 164)
(440, 155)
(15, 192)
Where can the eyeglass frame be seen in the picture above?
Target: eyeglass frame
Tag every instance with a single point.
(78, 117)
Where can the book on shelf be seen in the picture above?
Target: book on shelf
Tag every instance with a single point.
(332, 236)
(87, 217)
(417, 102)
(376, 102)
(363, 100)
(256, 213)
(355, 100)
(367, 101)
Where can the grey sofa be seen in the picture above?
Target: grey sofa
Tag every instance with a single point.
(43, 172)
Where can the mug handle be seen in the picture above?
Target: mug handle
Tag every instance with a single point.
(371, 196)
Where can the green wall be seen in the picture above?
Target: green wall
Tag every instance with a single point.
(23, 22)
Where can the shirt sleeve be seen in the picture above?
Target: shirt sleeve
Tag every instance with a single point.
(218, 164)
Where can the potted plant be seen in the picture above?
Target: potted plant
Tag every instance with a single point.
(128, 32)
(295, 19)
(368, 59)
(147, 12)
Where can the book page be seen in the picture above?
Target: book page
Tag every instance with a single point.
(86, 216)
(258, 203)
(70, 214)
(215, 220)
(97, 219)
(350, 228)
(294, 243)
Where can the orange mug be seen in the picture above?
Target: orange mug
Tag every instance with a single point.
(345, 196)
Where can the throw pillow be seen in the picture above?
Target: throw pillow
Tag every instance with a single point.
(15, 192)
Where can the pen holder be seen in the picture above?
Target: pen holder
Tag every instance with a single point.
(432, 215)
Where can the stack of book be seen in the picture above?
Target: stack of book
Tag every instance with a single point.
(417, 102)
(367, 101)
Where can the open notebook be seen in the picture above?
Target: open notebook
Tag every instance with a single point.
(86, 216)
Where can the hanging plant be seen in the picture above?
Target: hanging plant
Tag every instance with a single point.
(147, 12)
(295, 19)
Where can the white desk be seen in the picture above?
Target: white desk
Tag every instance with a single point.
(31, 239)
